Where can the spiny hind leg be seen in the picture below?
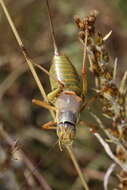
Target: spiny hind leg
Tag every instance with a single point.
(49, 125)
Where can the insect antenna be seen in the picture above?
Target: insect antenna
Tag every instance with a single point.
(56, 52)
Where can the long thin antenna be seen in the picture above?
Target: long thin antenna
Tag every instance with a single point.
(56, 52)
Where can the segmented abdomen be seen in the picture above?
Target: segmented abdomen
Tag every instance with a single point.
(62, 70)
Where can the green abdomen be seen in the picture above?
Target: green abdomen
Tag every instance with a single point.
(62, 70)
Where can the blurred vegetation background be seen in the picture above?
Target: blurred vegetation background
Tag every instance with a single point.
(22, 120)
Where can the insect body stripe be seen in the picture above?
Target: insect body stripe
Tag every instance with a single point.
(63, 70)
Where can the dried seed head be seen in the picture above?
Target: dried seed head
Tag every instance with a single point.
(87, 23)
(90, 28)
(77, 19)
(85, 20)
(92, 19)
(82, 35)
(81, 26)
(99, 39)
(94, 13)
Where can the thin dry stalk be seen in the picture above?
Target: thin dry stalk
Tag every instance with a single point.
(107, 175)
(110, 153)
(77, 167)
(32, 69)
(23, 49)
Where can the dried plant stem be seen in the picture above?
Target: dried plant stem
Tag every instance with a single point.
(107, 175)
(123, 84)
(115, 69)
(113, 139)
(73, 158)
(21, 45)
(32, 69)
(23, 49)
(110, 153)
(25, 159)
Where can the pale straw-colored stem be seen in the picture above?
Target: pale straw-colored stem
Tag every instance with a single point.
(27, 58)
(76, 165)
(32, 69)
(21, 45)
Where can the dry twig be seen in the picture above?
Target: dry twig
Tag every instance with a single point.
(25, 159)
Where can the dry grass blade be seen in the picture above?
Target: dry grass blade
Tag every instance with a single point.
(110, 153)
(123, 85)
(114, 140)
(31, 67)
(107, 175)
(107, 35)
(115, 68)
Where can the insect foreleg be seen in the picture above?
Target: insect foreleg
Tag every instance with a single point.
(52, 95)
(49, 125)
(43, 104)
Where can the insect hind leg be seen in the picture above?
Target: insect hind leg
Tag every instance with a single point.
(52, 95)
